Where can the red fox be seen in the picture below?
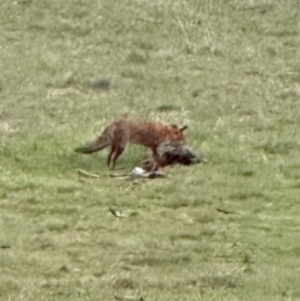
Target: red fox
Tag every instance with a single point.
(121, 132)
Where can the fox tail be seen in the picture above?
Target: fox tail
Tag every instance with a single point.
(94, 146)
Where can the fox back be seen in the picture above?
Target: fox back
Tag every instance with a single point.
(152, 134)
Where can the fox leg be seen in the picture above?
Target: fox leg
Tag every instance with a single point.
(120, 141)
(118, 152)
(112, 150)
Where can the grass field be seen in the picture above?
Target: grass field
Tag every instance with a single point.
(228, 69)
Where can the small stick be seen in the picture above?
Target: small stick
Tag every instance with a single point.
(84, 173)
(225, 211)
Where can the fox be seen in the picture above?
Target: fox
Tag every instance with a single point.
(121, 132)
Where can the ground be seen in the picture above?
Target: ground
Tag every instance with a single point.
(227, 230)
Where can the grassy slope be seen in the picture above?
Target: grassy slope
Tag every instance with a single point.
(232, 69)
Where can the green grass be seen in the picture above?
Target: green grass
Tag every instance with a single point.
(227, 69)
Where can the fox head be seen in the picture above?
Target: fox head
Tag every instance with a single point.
(174, 126)
(178, 133)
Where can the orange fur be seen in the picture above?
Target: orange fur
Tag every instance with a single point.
(121, 132)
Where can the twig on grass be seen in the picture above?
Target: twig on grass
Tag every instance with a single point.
(117, 213)
(84, 173)
(128, 298)
(225, 211)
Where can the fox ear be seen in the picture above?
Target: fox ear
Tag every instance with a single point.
(183, 128)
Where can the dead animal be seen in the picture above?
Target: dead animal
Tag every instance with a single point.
(171, 153)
